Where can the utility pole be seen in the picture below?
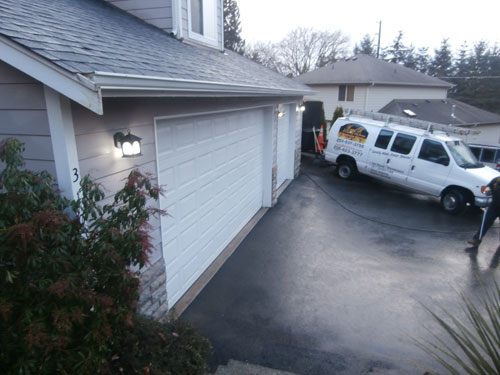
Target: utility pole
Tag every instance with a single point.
(379, 32)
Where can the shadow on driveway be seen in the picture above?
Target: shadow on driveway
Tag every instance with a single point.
(332, 279)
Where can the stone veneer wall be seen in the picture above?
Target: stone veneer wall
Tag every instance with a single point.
(153, 293)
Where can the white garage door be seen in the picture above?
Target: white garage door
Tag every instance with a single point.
(212, 169)
(283, 148)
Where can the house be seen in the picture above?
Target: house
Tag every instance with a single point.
(366, 83)
(485, 139)
(74, 74)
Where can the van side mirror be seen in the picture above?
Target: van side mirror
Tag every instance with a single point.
(443, 160)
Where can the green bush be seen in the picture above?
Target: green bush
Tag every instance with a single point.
(161, 348)
(67, 294)
(474, 347)
(339, 112)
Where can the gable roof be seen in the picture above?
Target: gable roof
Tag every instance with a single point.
(441, 110)
(119, 52)
(365, 69)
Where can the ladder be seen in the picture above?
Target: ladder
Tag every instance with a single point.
(429, 127)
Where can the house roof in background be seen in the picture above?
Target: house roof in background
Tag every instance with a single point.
(365, 69)
(89, 36)
(441, 111)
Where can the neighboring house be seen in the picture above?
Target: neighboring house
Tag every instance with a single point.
(485, 126)
(73, 73)
(367, 83)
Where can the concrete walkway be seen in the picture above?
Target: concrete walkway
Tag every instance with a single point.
(333, 278)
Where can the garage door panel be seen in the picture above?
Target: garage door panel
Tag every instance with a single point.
(214, 185)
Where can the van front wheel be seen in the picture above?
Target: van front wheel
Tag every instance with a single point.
(346, 170)
(453, 201)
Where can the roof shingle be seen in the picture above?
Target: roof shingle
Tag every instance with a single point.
(85, 36)
(364, 69)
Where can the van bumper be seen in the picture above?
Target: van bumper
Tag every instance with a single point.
(482, 201)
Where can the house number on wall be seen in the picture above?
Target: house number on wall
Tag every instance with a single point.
(75, 173)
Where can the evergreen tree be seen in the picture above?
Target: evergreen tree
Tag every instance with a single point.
(441, 65)
(232, 27)
(411, 58)
(422, 57)
(396, 53)
(365, 47)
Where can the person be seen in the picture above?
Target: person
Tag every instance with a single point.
(492, 211)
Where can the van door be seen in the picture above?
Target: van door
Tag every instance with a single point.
(430, 168)
(400, 157)
(379, 154)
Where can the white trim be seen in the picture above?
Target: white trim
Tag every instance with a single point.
(73, 86)
(62, 135)
(222, 25)
(200, 37)
(269, 151)
(215, 112)
(112, 85)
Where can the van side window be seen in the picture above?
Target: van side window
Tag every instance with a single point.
(434, 152)
(488, 155)
(403, 143)
(476, 151)
(384, 137)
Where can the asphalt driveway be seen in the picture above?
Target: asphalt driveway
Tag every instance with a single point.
(333, 278)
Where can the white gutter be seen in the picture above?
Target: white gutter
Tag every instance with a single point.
(74, 86)
(129, 85)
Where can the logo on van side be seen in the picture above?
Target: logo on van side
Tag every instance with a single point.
(353, 132)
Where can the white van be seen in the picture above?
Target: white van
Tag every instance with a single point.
(412, 154)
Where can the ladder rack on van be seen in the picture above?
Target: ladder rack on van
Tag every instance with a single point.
(429, 127)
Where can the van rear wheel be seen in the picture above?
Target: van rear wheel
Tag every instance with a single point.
(453, 201)
(346, 170)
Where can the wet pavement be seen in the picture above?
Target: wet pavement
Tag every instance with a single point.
(333, 279)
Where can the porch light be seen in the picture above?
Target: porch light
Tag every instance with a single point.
(281, 114)
(130, 144)
(301, 108)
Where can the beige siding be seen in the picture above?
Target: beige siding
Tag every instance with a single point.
(380, 96)
(155, 12)
(371, 98)
(23, 116)
(329, 94)
(94, 137)
(489, 135)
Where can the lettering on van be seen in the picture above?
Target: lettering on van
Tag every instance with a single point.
(351, 139)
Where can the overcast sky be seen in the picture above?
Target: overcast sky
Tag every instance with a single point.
(424, 23)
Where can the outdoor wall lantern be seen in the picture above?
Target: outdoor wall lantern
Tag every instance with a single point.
(301, 108)
(130, 144)
(281, 114)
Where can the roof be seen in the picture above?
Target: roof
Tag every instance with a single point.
(365, 69)
(442, 111)
(98, 40)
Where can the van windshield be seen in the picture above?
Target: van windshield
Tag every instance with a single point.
(463, 155)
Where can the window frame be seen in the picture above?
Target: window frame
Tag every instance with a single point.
(403, 135)
(346, 93)
(390, 138)
(427, 158)
(207, 15)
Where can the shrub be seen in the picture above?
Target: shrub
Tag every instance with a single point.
(67, 294)
(161, 348)
(476, 340)
(339, 112)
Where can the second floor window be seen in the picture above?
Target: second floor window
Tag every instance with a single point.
(346, 93)
(203, 19)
